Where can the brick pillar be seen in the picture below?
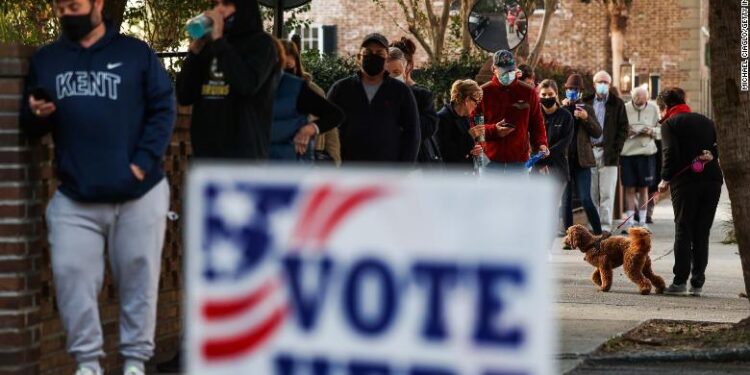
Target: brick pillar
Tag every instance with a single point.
(20, 226)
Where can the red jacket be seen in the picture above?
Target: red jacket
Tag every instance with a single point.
(517, 104)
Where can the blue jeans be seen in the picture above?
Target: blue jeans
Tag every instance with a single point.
(581, 177)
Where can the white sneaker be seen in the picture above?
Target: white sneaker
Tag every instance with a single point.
(132, 370)
(88, 371)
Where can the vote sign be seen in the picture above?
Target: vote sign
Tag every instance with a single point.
(367, 272)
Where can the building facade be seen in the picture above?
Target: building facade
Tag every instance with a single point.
(665, 42)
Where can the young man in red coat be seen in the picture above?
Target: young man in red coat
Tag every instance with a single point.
(512, 116)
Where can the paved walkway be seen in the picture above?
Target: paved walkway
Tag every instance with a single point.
(589, 317)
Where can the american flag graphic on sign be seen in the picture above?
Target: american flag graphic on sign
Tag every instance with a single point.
(248, 300)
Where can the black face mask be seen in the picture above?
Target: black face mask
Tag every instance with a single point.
(373, 64)
(76, 28)
(549, 102)
(290, 71)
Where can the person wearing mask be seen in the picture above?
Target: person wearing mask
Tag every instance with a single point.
(381, 118)
(610, 113)
(457, 145)
(559, 126)
(580, 154)
(230, 78)
(688, 138)
(400, 65)
(292, 132)
(111, 127)
(637, 160)
(512, 116)
(327, 144)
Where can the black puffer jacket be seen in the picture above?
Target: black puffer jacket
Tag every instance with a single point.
(231, 85)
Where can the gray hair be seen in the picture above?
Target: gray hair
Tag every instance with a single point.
(642, 89)
(396, 54)
(602, 74)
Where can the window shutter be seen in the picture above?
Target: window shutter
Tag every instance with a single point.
(329, 40)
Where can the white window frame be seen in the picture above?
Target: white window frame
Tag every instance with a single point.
(309, 42)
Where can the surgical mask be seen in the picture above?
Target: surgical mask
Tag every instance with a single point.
(399, 78)
(602, 88)
(507, 78)
(76, 28)
(549, 102)
(639, 107)
(373, 64)
(572, 94)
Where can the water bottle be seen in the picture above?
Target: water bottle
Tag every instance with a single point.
(198, 27)
(479, 160)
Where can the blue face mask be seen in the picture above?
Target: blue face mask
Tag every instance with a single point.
(602, 88)
(572, 94)
(507, 78)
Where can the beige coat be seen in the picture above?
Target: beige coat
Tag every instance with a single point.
(328, 141)
(640, 120)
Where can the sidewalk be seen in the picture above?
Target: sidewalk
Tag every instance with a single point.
(589, 317)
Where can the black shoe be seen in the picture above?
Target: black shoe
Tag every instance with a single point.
(171, 366)
(649, 220)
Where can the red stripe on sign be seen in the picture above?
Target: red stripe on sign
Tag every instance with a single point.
(347, 206)
(222, 349)
(313, 204)
(215, 310)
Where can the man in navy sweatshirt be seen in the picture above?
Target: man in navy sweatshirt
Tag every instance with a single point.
(110, 107)
(382, 120)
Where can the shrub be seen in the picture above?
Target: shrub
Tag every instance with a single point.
(439, 77)
(327, 69)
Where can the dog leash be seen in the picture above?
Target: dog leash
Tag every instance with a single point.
(697, 166)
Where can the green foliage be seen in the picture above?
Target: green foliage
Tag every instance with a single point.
(27, 22)
(439, 76)
(327, 69)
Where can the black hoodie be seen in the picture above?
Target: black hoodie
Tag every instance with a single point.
(231, 85)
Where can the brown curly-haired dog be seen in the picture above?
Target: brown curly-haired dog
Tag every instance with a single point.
(608, 252)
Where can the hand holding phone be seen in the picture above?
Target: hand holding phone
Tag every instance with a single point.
(41, 103)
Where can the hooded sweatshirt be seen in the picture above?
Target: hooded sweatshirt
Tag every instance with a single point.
(115, 107)
(231, 85)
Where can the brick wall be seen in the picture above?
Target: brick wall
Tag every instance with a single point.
(664, 35)
(31, 335)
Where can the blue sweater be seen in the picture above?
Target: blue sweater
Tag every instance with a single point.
(115, 107)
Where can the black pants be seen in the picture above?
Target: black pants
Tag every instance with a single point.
(694, 210)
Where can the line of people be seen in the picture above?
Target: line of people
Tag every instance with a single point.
(110, 107)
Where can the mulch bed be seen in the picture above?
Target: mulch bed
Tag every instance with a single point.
(677, 336)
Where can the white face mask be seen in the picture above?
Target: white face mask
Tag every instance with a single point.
(399, 78)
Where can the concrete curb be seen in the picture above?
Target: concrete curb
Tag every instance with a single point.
(713, 355)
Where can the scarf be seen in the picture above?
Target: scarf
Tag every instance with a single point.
(674, 111)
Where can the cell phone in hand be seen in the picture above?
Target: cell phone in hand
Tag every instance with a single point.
(40, 93)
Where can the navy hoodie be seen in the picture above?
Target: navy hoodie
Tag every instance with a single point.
(115, 107)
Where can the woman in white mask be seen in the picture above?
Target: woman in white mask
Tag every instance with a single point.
(399, 64)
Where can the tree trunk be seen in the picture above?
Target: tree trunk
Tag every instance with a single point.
(618, 23)
(731, 108)
(115, 11)
(536, 52)
(466, 6)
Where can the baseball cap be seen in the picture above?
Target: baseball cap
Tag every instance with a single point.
(504, 61)
(376, 38)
